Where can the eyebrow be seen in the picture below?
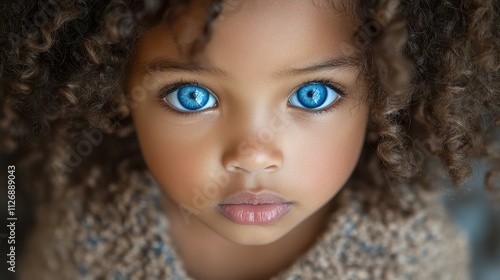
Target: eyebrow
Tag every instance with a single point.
(352, 62)
(165, 65)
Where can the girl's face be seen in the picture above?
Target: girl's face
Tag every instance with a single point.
(262, 128)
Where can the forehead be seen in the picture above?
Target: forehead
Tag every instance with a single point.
(280, 33)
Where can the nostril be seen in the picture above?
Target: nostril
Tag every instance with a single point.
(238, 169)
(235, 168)
(271, 168)
(262, 161)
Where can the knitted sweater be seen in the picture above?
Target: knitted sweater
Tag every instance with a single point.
(129, 239)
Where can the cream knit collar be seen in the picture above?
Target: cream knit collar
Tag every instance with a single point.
(128, 239)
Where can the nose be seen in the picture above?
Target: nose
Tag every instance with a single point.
(252, 159)
(253, 143)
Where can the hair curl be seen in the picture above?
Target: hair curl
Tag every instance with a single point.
(432, 67)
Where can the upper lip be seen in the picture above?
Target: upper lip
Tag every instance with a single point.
(246, 197)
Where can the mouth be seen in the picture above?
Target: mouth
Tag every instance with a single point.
(254, 208)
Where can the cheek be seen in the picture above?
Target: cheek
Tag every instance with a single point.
(178, 157)
(325, 158)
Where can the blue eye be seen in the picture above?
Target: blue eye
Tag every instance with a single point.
(188, 98)
(313, 96)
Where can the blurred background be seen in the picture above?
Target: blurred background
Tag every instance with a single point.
(473, 212)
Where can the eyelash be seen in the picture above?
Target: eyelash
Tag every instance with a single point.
(335, 87)
(166, 90)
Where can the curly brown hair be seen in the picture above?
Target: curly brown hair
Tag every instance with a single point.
(433, 70)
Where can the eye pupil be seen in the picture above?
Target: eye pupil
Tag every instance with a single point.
(190, 98)
(193, 97)
(312, 95)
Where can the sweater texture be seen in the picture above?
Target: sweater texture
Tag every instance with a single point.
(128, 238)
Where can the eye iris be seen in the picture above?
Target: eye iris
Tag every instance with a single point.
(192, 98)
(312, 96)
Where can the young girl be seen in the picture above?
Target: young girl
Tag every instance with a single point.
(247, 139)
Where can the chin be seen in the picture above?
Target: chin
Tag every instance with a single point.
(253, 235)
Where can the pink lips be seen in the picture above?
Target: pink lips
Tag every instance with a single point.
(254, 208)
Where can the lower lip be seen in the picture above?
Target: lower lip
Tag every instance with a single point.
(260, 214)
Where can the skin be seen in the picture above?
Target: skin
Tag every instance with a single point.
(253, 139)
